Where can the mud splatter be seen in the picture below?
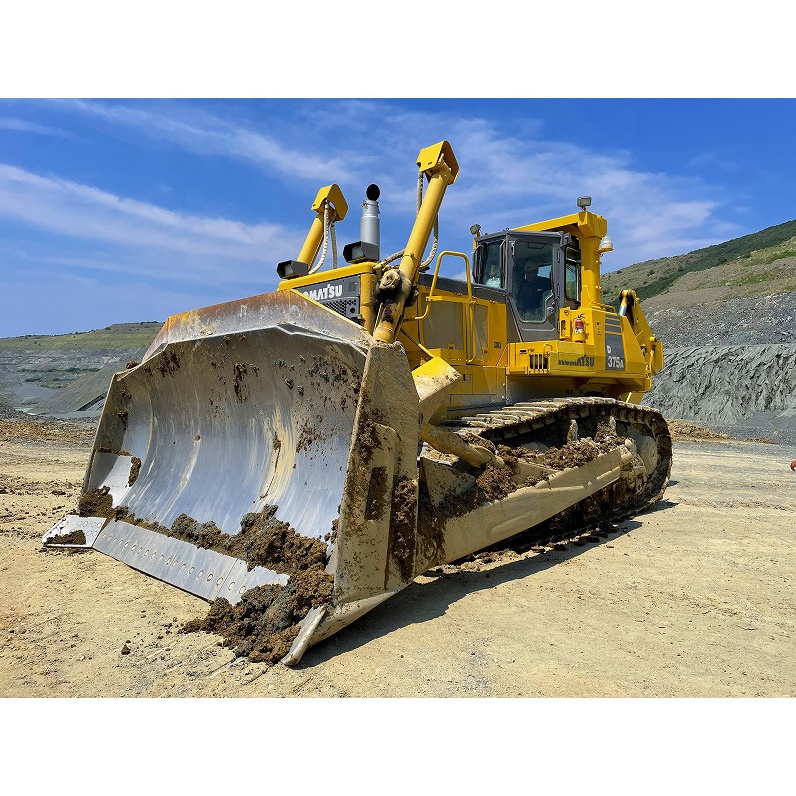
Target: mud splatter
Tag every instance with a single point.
(403, 522)
(430, 529)
(307, 436)
(368, 434)
(131, 364)
(239, 372)
(135, 469)
(75, 537)
(377, 499)
(169, 363)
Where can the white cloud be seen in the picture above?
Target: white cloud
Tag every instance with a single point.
(143, 236)
(24, 126)
(207, 133)
(506, 179)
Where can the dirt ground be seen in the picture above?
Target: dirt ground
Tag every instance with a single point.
(692, 599)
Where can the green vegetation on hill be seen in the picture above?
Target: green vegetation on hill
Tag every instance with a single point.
(117, 336)
(653, 277)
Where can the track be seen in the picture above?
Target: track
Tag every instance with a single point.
(549, 423)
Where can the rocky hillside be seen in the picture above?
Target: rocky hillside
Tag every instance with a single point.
(752, 320)
(37, 370)
(746, 391)
(727, 318)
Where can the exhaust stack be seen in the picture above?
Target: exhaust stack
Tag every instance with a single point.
(367, 248)
(369, 231)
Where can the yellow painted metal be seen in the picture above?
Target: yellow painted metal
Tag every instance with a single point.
(429, 159)
(367, 297)
(650, 345)
(434, 380)
(332, 196)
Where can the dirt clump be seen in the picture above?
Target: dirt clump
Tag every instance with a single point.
(135, 469)
(74, 537)
(96, 503)
(573, 454)
(498, 480)
(474, 439)
(264, 624)
(265, 541)
(685, 430)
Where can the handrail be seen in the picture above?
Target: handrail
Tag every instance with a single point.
(431, 297)
(469, 315)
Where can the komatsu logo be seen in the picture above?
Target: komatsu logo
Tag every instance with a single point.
(323, 293)
(581, 362)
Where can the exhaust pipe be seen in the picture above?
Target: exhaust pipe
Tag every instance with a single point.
(368, 247)
(369, 231)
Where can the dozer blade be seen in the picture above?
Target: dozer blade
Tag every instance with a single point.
(272, 406)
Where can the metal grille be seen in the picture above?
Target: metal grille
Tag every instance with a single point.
(538, 363)
(347, 307)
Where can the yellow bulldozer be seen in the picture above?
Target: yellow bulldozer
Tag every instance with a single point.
(320, 446)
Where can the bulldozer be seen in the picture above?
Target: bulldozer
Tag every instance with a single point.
(370, 420)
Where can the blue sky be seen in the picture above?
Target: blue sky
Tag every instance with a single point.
(128, 210)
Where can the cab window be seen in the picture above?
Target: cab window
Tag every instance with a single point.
(488, 265)
(572, 273)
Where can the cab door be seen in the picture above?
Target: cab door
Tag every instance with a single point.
(533, 263)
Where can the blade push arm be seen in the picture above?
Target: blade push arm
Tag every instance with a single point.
(439, 165)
